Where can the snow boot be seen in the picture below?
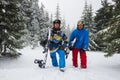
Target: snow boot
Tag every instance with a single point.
(62, 69)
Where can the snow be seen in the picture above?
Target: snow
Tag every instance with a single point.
(23, 68)
(3, 10)
(103, 31)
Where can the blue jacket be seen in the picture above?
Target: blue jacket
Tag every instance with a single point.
(81, 37)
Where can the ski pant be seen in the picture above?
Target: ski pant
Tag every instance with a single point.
(83, 58)
(61, 54)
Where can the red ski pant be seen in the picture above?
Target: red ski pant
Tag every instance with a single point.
(83, 58)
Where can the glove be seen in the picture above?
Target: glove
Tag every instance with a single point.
(43, 43)
(45, 50)
(82, 50)
(70, 47)
(61, 47)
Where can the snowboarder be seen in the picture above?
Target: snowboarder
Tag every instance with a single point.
(80, 35)
(58, 42)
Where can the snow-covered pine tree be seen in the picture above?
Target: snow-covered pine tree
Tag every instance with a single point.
(103, 15)
(39, 21)
(12, 25)
(33, 25)
(102, 18)
(112, 36)
(26, 11)
(44, 23)
(57, 14)
(90, 25)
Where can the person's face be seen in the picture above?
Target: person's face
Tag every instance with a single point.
(56, 25)
(80, 26)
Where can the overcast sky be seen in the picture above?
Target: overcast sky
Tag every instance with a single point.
(70, 10)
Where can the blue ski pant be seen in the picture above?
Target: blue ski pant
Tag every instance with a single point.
(61, 54)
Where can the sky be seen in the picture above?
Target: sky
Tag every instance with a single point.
(70, 10)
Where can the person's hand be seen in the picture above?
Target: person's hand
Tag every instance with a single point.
(82, 50)
(45, 50)
(61, 47)
(43, 43)
(70, 47)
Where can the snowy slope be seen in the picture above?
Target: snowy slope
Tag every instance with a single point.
(23, 68)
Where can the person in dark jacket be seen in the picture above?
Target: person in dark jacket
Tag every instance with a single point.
(80, 38)
(58, 42)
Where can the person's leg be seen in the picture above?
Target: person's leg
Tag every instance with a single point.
(74, 57)
(54, 59)
(83, 59)
(61, 58)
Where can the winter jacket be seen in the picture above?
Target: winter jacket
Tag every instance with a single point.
(81, 38)
(57, 40)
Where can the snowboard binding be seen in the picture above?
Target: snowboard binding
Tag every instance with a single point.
(40, 63)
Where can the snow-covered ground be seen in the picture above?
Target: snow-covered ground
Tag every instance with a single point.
(23, 68)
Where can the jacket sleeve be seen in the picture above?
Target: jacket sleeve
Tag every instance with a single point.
(86, 40)
(72, 36)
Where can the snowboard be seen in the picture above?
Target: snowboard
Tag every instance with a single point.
(42, 62)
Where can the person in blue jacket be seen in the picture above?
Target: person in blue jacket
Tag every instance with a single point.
(58, 42)
(80, 39)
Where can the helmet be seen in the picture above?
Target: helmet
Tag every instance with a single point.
(57, 21)
(80, 22)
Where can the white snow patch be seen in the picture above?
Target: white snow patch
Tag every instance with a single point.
(23, 68)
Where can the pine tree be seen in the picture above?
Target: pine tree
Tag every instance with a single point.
(34, 23)
(57, 14)
(112, 36)
(26, 11)
(102, 18)
(103, 15)
(11, 27)
(44, 23)
(39, 21)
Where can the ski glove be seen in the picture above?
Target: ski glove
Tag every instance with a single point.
(61, 47)
(70, 47)
(82, 50)
(43, 43)
(45, 50)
